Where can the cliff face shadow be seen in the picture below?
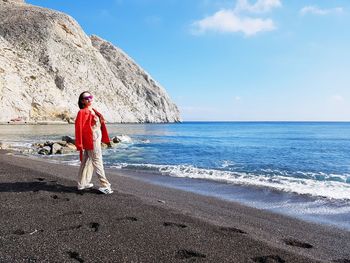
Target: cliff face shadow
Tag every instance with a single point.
(55, 187)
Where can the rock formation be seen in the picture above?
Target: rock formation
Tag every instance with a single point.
(46, 61)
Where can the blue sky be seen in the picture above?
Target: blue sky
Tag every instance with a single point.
(239, 60)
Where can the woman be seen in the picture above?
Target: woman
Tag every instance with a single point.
(90, 130)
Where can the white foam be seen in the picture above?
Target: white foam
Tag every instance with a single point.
(17, 145)
(329, 188)
(311, 175)
(124, 138)
(227, 163)
(318, 207)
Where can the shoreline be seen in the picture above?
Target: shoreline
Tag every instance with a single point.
(300, 206)
(215, 221)
(10, 123)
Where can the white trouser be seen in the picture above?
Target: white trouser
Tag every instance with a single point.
(92, 159)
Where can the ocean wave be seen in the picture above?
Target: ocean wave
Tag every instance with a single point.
(332, 189)
(321, 207)
(227, 163)
(319, 176)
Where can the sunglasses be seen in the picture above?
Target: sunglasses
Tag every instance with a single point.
(88, 97)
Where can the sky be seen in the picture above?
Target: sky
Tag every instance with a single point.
(233, 60)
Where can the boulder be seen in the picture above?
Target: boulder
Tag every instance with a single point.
(38, 145)
(122, 138)
(71, 146)
(104, 145)
(65, 150)
(56, 148)
(46, 150)
(48, 143)
(116, 139)
(68, 139)
(62, 143)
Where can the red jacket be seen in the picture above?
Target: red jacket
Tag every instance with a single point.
(83, 129)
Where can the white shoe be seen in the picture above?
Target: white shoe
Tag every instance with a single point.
(105, 190)
(88, 186)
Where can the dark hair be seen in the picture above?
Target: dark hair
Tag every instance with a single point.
(80, 101)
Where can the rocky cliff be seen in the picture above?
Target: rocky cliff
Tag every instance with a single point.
(46, 61)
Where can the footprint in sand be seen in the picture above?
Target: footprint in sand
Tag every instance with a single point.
(171, 224)
(75, 255)
(269, 259)
(232, 230)
(69, 228)
(185, 254)
(56, 197)
(297, 243)
(95, 226)
(71, 213)
(19, 232)
(128, 218)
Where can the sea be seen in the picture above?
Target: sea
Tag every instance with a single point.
(299, 169)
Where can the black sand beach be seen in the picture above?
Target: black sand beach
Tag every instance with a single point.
(45, 219)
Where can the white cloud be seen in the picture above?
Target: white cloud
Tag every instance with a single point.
(337, 98)
(315, 10)
(233, 20)
(227, 21)
(261, 6)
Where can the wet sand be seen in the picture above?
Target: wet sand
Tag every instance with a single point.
(45, 219)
